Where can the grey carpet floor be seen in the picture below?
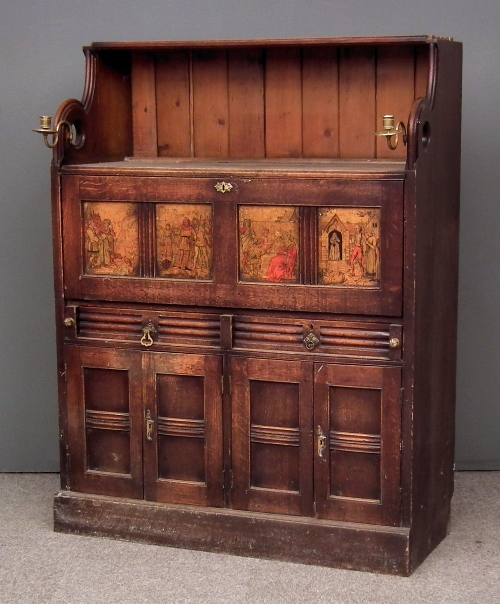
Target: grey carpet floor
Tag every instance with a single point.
(39, 566)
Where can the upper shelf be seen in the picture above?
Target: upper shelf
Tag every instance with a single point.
(304, 168)
(316, 99)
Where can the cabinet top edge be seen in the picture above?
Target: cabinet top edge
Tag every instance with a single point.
(201, 44)
(240, 168)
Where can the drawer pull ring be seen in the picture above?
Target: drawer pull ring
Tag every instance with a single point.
(150, 425)
(311, 341)
(146, 339)
(223, 187)
(321, 442)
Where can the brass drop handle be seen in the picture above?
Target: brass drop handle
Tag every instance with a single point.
(321, 442)
(146, 339)
(150, 426)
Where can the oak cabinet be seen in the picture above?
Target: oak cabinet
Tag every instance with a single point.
(256, 297)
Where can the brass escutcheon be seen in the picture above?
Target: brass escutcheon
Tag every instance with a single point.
(223, 187)
(311, 341)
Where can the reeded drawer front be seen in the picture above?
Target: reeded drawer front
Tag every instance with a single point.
(157, 329)
(349, 338)
(145, 328)
(321, 245)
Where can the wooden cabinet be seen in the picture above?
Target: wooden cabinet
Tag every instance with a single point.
(256, 298)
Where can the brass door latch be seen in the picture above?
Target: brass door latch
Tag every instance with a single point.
(150, 426)
(321, 442)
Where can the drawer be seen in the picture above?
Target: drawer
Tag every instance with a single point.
(131, 327)
(318, 337)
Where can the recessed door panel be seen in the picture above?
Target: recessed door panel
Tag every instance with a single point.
(272, 435)
(183, 446)
(105, 421)
(358, 429)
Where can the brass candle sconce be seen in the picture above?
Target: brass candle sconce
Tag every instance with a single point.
(47, 130)
(392, 134)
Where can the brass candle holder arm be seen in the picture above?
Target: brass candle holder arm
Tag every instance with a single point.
(47, 130)
(390, 132)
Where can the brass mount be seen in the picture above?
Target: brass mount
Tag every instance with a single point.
(390, 132)
(47, 130)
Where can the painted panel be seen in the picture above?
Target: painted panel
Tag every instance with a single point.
(268, 244)
(184, 240)
(349, 247)
(111, 234)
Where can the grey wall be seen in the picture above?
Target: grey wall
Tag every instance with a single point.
(41, 65)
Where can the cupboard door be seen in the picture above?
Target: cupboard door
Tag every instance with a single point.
(183, 453)
(105, 421)
(357, 453)
(272, 436)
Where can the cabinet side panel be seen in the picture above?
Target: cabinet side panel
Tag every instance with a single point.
(246, 104)
(357, 102)
(434, 190)
(173, 104)
(210, 104)
(283, 103)
(320, 101)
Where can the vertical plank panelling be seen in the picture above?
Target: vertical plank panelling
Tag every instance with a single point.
(395, 92)
(172, 97)
(421, 70)
(210, 104)
(320, 102)
(356, 103)
(283, 103)
(246, 104)
(144, 105)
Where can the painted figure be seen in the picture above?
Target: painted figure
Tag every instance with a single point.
(201, 245)
(168, 246)
(186, 245)
(357, 254)
(335, 251)
(372, 256)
